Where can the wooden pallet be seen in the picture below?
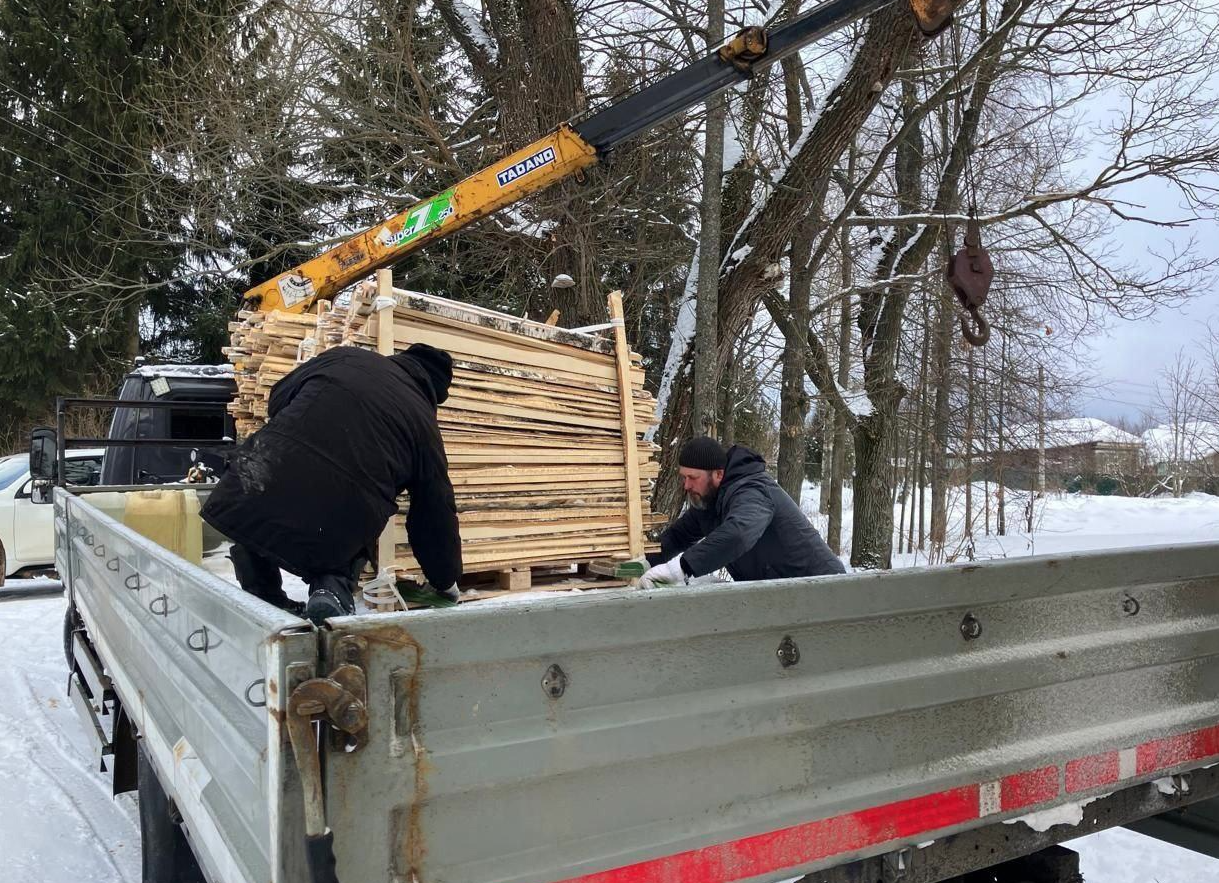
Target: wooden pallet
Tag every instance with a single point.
(483, 585)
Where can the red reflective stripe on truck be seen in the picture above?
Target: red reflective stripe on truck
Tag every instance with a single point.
(1092, 771)
(903, 820)
(1030, 788)
(1162, 754)
(802, 844)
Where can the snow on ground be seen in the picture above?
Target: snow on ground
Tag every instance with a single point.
(1062, 523)
(64, 826)
(61, 824)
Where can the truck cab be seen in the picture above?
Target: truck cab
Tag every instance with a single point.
(190, 385)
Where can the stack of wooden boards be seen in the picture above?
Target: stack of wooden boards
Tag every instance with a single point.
(535, 428)
(263, 350)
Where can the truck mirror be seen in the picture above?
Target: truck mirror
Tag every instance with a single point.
(40, 492)
(43, 454)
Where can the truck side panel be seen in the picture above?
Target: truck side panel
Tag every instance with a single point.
(193, 660)
(759, 731)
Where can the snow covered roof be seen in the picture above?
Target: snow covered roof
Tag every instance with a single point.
(1069, 432)
(184, 371)
(1187, 442)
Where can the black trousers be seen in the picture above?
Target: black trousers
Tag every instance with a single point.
(260, 577)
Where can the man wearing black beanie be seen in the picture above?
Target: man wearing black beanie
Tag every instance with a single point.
(738, 518)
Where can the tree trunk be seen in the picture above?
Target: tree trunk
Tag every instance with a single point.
(969, 451)
(728, 411)
(793, 401)
(839, 463)
(744, 283)
(945, 309)
(872, 536)
(1000, 491)
(706, 344)
(872, 539)
(923, 426)
(838, 466)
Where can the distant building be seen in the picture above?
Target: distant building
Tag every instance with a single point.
(1075, 446)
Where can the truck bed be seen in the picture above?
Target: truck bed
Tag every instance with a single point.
(748, 731)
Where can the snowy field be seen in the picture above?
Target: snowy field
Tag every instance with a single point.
(64, 827)
(1062, 523)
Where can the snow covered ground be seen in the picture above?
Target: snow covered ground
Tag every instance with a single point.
(62, 825)
(1062, 523)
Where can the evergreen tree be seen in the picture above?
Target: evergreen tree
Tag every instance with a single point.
(85, 255)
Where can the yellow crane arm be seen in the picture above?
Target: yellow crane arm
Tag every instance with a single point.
(567, 150)
(530, 169)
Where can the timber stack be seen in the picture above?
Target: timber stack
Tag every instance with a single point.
(544, 442)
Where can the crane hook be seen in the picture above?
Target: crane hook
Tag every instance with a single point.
(980, 333)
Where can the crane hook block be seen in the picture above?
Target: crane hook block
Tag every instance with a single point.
(933, 15)
(746, 47)
(970, 273)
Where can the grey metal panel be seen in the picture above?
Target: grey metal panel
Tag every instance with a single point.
(219, 755)
(679, 728)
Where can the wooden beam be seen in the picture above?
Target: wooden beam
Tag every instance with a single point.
(385, 346)
(630, 456)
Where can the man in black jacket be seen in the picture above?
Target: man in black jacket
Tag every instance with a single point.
(311, 491)
(738, 518)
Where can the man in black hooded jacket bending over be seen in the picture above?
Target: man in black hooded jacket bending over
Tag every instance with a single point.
(311, 491)
(738, 518)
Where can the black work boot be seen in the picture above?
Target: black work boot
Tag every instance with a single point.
(329, 595)
(262, 579)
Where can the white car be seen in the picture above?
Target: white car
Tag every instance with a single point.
(27, 529)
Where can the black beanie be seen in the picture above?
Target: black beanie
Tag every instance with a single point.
(702, 452)
(439, 367)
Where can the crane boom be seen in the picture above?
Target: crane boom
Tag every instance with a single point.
(564, 152)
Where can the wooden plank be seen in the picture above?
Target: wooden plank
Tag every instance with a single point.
(416, 308)
(467, 344)
(630, 454)
(385, 346)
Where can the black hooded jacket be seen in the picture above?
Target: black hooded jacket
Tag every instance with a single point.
(753, 528)
(349, 430)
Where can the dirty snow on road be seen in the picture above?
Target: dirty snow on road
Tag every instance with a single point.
(61, 823)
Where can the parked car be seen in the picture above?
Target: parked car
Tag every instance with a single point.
(27, 531)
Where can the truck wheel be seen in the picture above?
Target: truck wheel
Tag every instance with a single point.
(167, 856)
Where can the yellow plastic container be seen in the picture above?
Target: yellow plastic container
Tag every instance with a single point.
(112, 503)
(170, 518)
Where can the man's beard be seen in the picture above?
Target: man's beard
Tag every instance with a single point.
(698, 501)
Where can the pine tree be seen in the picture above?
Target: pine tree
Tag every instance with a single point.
(84, 257)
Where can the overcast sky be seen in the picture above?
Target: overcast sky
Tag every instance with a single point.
(1129, 358)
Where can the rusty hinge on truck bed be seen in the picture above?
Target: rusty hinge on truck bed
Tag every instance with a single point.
(339, 700)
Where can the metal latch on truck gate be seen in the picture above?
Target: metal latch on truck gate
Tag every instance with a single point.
(339, 702)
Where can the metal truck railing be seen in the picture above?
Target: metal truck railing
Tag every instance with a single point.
(711, 733)
(196, 662)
